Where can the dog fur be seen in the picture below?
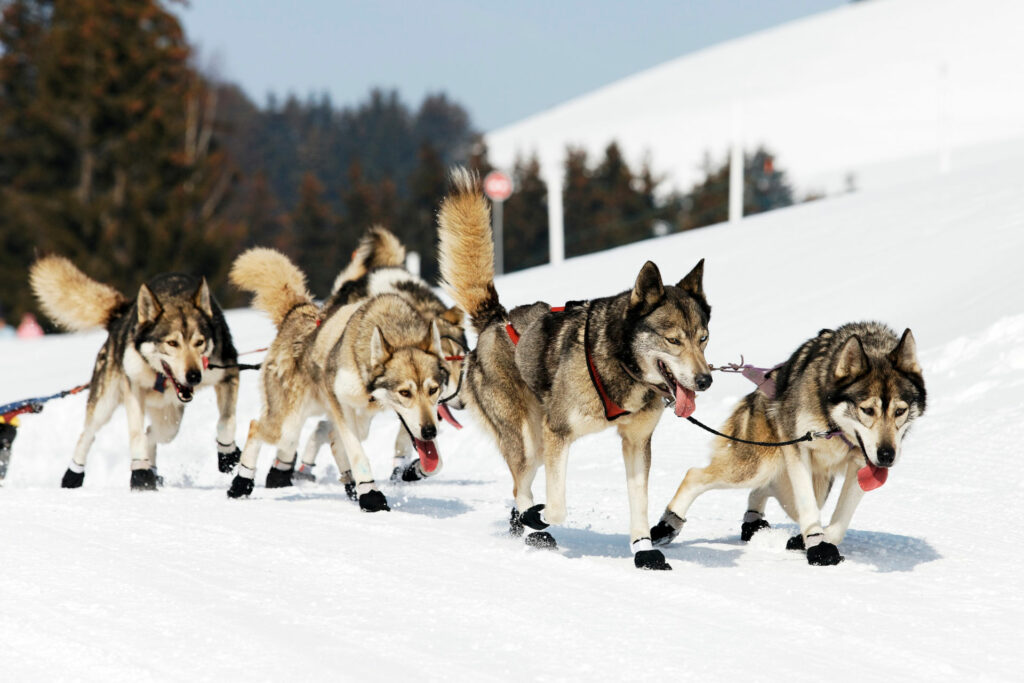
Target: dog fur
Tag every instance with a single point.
(165, 331)
(860, 379)
(537, 397)
(350, 361)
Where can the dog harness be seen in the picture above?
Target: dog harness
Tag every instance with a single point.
(612, 410)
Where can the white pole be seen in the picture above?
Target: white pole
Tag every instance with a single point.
(556, 224)
(499, 236)
(736, 166)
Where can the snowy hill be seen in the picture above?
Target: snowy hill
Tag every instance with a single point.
(183, 584)
(877, 89)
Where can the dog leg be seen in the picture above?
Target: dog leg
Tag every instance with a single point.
(636, 455)
(99, 409)
(400, 463)
(753, 520)
(143, 478)
(242, 484)
(344, 466)
(556, 457)
(345, 427)
(227, 400)
(320, 436)
(849, 498)
(279, 475)
(808, 515)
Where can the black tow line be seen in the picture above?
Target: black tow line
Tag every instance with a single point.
(809, 436)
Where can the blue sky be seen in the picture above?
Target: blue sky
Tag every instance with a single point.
(501, 60)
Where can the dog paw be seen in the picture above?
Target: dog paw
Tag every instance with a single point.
(515, 524)
(373, 501)
(748, 529)
(824, 555)
(541, 539)
(350, 490)
(662, 533)
(240, 486)
(796, 543)
(72, 480)
(532, 518)
(144, 480)
(650, 559)
(278, 479)
(304, 473)
(413, 472)
(227, 461)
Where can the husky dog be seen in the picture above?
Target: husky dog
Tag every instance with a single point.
(161, 347)
(860, 383)
(351, 361)
(377, 267)
(572, 372)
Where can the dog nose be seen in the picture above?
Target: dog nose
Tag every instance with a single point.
(703, 381)
(428, 432)
(886, 455)
(193, 377)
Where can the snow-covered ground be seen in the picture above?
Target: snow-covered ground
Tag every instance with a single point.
(183, 584)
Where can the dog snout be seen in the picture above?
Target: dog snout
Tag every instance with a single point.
(428, 432)
(885, 455)
(703, 381)
(193, 377)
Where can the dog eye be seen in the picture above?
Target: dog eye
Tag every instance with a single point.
(899, 411)
(672, 340)
(432, 391)
(703, 339)
(173, 344)
(199, 342)
(405, 393)
(870, 412)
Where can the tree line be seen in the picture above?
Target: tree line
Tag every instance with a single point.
(117, 152)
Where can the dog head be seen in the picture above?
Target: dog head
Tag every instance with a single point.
(670, 334)
(876, 395)
(174, 334)
(409, 380)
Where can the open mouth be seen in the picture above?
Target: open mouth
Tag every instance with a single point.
(871, 476)
(184, 392)
(686, 399)
(429, 459)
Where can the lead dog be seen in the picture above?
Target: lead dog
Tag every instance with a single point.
(155, 357)
(860, 383)
(572, 372)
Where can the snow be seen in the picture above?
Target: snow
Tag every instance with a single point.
(881, 90)
(184, 584)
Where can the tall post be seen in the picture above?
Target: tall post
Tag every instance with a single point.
(497, 227)
(736, 167)
(556, 223)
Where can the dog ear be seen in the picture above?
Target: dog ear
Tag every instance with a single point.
(694, 281)
(149, 307)
(202, 299)
(904, 356)
(853, 362)
(453, 315)
(435, 340)
(648, 290)
(380, 350)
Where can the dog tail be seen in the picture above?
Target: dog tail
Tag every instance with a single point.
(466, 250)
(278, 283)
(378, 248)
(71, 298)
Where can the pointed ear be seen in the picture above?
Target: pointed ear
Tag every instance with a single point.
(648, 290)
(453, 315)
(853, 362)
(694, 280)
(435, 340)
(149, 307)
(202, 299)
(904, 356)
(380, 350)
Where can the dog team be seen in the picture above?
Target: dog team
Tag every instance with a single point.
(539, 378)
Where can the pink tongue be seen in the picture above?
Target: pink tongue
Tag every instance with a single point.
(428, 455)
(870, 477)
(685, 401)
(446, 415)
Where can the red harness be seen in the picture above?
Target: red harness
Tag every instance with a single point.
(612, 410)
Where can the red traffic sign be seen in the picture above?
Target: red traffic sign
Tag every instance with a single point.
(498, 186)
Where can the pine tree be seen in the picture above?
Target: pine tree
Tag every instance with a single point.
(418, 228)
(526, 218)
(316, 237)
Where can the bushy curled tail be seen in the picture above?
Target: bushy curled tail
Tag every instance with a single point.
(378, 248)
(466, 250)
(278, 284)
(71, 298)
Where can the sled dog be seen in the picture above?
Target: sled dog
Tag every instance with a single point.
(378, 267)
(860, 383)
(350, 362)
(156, 355)
(572, 372)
